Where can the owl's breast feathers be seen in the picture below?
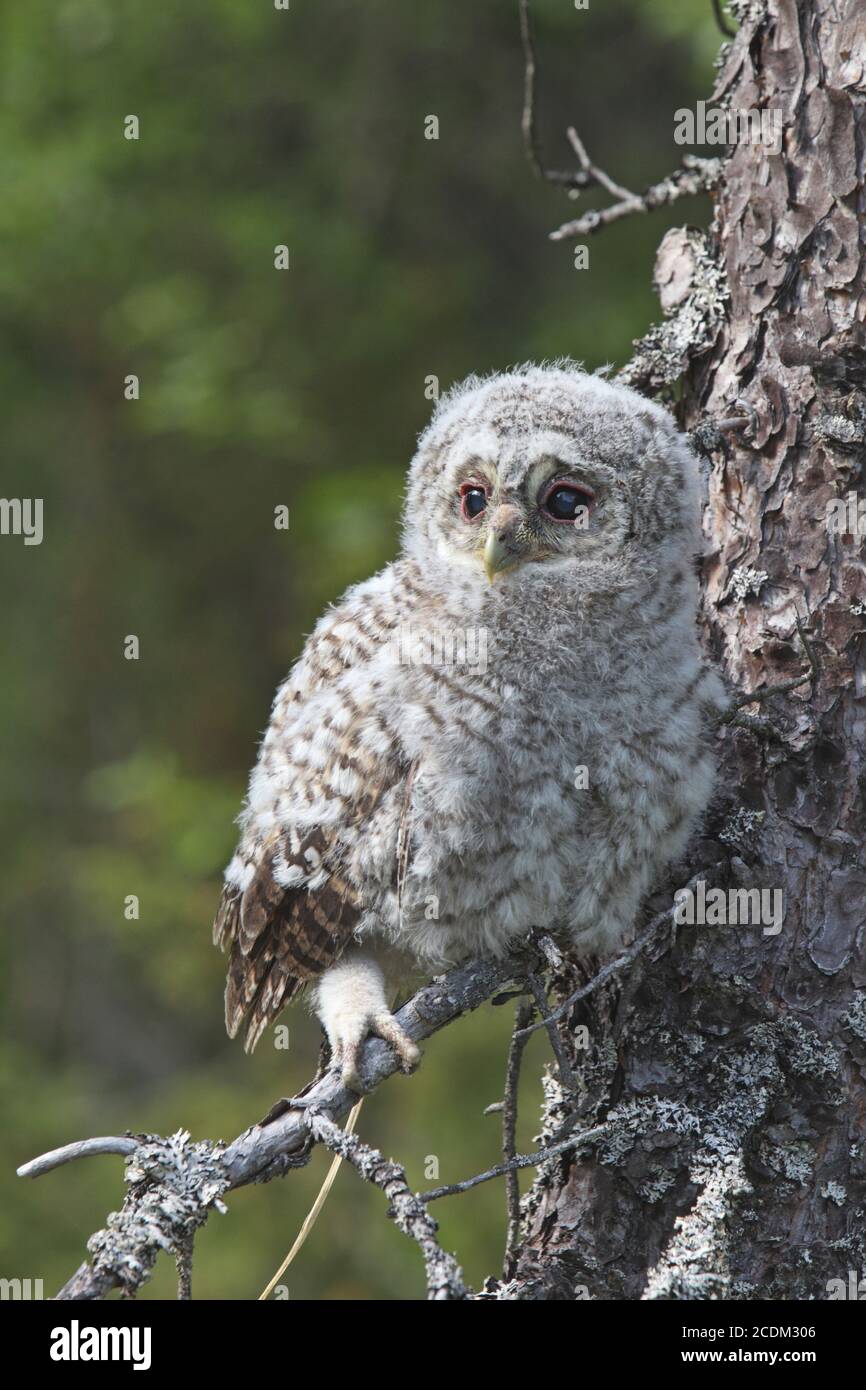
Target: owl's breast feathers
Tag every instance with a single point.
(498, 826)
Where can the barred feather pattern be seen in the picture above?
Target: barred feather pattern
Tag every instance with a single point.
(435, 807)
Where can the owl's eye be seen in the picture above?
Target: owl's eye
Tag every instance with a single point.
(474, 500)
(563, 501)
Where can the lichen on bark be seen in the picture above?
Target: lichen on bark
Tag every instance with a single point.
(760, 1040)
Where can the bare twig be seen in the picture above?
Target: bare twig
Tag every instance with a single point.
(566, 1075)
(756, 697)
(83, 1148)
(444, 1276)
(183, 1261)
(519, 1039)
(759, 726)
(531, 143)
(585, 1136)
(593, 172)
(696, 175)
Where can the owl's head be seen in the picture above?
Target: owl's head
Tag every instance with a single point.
(545, 469)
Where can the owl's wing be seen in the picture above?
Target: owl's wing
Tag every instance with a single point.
(288, 910)
(280, 938)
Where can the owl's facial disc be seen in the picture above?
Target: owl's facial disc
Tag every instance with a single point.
(516, 528)
(516, 504)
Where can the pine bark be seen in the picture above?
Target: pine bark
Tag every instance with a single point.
(734, 1061)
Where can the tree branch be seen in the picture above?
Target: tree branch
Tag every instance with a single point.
(696, 175)
(513, 1165)
(83, 1148)
(766, 692)
(566, 1075)
(570, 179)
(444, 1275)
(174, 1184)
(522, 1018)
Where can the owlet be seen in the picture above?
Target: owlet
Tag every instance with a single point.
(504, 729)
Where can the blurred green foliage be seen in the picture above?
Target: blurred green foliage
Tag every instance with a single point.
(409, 257)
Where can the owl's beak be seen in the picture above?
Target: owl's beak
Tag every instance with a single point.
(500, 551)
(497, 557)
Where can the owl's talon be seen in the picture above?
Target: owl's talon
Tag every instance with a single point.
(345, 1053)
(386, 1026)
(351, 1079)
(345, 1061)
(352, 1004)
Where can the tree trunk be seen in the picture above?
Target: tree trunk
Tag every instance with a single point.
(735, 1061)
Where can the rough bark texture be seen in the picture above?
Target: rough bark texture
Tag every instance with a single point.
(735, 1062)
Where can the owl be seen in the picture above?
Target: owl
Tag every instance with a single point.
(506, 728)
